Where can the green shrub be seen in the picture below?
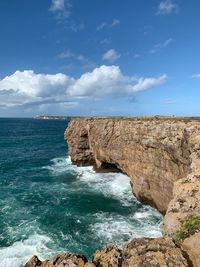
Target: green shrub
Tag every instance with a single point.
(188, 228)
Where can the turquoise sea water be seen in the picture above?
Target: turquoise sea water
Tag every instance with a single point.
(48, 205)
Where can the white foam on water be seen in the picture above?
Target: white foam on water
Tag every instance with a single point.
(115, 228)
(20, 252)
(60, 165)
(111, 227)
(111, 184)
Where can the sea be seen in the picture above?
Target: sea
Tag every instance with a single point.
(49, 206)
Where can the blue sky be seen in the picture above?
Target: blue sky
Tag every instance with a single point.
(102, 57)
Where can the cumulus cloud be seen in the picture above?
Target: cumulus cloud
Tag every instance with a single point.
(108, 80)
(28, 88)
(111, 55)
(166, 7)
(24, 87)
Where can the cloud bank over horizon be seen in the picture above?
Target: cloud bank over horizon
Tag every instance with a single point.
(27, 88)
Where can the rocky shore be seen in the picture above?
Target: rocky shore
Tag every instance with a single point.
(162, 158)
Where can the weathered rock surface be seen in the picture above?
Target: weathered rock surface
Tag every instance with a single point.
(161, 157)
(145, 252)
(191, 246)
(184, 205)
(111, 256)
(153, 153)
(64, 260)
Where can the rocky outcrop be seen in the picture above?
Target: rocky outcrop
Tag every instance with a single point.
(64, 260)
(143, 252)
(191, 246)
(153, 153)
(162, 158)
(110, 256)
(147, 252)
(184, 205)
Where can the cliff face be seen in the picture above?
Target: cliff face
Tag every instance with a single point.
(153, 153)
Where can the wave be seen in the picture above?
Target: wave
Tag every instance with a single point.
(114, 228)
(17, 254)
(114, 185)
(143, 221)
(126, 220)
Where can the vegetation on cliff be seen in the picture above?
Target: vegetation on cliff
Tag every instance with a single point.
(188, 228)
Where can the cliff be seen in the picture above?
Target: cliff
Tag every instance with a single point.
(162, 158)
(160, 155)
(154, 153)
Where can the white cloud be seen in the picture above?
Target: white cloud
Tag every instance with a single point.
(108, 80)
(66, 54)
(115, 22)
(26, 88)
(76, 27)
(156, 48)
(166, 7)
(57, 5)
(136, 55)
(85, 62)
(104, 24)
(62, 8)
(197, 76)
(111, 55)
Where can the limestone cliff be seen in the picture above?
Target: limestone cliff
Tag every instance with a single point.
(154, 153)
(162, 158)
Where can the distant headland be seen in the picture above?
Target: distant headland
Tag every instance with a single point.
(143, 118)
(46, 117)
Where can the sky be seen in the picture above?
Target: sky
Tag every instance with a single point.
(99, 57)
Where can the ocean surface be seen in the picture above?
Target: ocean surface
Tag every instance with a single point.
(49, 206)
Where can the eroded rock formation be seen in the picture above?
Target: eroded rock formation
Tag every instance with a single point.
(153, 153)
(162, 158)
(143, 252)
(64, 260)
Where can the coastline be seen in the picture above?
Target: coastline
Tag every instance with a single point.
(97, 140)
